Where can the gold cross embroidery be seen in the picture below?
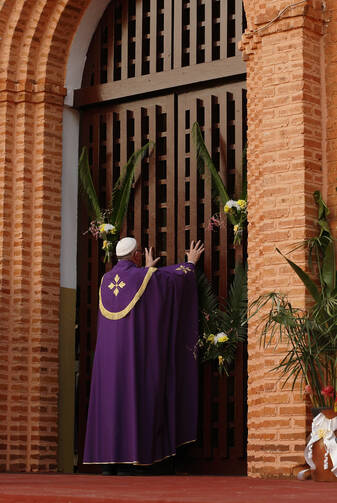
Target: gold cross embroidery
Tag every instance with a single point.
(116, 285)
(184, 269)
(321, 433)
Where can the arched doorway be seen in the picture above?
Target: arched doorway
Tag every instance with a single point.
(153, 68)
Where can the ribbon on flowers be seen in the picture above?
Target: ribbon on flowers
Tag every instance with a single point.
(324, 428)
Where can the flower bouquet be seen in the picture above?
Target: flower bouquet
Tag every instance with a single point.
(234, 210)
(107, 223)
(237, 210)
(106, 232)
(221, 329)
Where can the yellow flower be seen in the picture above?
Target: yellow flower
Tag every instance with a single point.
(220, 360)
(210, 338)
(242, 203)
(236, 228)
(105, 244)
(226, 209)
(108, 228)
(221, 337)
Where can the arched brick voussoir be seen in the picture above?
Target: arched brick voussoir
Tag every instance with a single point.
(24, 24)
(10, 14)
(54, 51)
(36, 38)
(36, 20)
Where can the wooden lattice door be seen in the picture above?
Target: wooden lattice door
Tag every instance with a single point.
(164, 90)
(220, 112)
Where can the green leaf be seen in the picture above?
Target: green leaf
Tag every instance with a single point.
(329, 268)
(208, 301)
(323, 210)
(122, 189)
(244, 174)
(307, 281)
(87, 186)
(203, 153)
(236, 305)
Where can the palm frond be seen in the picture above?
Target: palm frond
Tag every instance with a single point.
(329, 268)
(213, 320)
(122, 189)
(236, 304)
(323, 212)
(87, 186)
(244, 174)
(307, 281)
(208, 301)
(237, 296)
(202, 153)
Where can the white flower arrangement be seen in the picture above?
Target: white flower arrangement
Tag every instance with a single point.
(221, 337)
(107, 232)
(107, 229)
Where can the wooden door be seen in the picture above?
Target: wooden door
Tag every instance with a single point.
(111, 134)
(220, 112)
(153, 68)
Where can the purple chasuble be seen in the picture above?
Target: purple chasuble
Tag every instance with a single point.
(143, 399)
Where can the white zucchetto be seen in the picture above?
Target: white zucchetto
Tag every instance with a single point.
(125, 246)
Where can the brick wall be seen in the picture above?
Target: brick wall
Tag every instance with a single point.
(330, 65)
(284, 168)
(291, 90)
(35, 39)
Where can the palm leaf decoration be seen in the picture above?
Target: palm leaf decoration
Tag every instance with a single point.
(228, 319)
(207, 298)
(236, 305)
(205, 160)
(244, 174)
(121, 192)
(120, 197)
(87, 185)
(204, 156)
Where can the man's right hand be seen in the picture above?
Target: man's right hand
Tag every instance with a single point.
(195, 252)
(149, 260)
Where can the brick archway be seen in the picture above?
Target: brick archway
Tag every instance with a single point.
(35, 41)
(36, 37)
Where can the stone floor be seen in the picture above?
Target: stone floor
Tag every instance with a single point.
(57, 488)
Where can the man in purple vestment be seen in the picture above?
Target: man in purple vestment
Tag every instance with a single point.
(143, 399)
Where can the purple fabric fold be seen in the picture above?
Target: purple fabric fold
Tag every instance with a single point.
(143, 399)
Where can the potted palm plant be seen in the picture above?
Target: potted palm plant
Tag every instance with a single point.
(311, 337)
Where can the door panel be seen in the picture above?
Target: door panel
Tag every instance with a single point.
(219, 111)
(170, 205)
(111, 135)
(145, 48)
